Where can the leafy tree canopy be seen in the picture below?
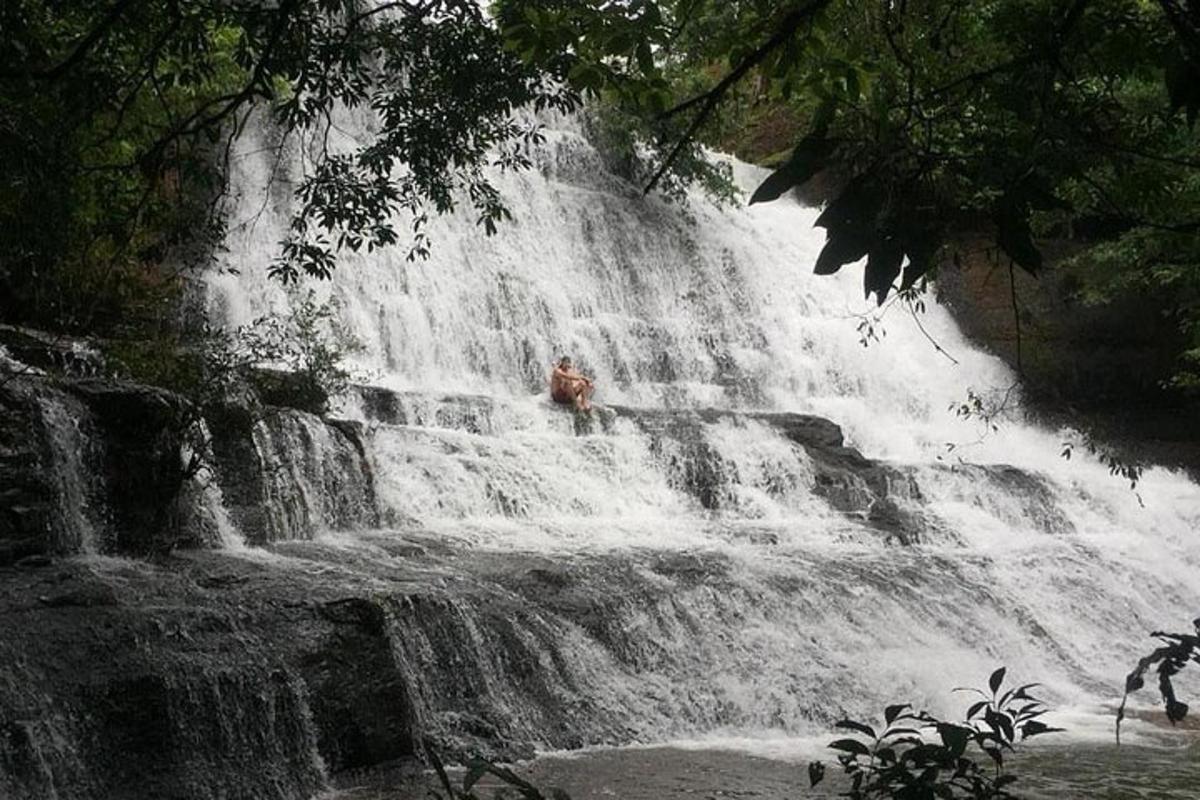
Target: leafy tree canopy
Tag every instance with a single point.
(116, 117)
(1029, 119)
(1071, 119)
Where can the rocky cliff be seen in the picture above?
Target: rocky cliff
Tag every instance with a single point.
(1100, 367)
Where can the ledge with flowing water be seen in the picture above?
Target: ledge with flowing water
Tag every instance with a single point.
(497, 575)
(705, 558)
(211, 672)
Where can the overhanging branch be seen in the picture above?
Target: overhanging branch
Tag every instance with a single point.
(708, 101)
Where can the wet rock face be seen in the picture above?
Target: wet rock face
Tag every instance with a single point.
(101, 466)
(358, 689)
(210, 674)
(88, 465)
(469, 413)
(287, 474)
(46, 351)
(878, 494)
(141, 432)
(200, 678)
(27, 492)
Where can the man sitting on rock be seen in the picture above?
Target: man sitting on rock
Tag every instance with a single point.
(570, 387)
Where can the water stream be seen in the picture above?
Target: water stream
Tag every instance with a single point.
(664, 573)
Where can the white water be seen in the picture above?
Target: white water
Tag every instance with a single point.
(1058, 575)
(78, 485)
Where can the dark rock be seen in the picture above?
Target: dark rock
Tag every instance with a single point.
(905, 526)
(358, 691)
(286, 389)
(805, 429)
(849, 481)
(58, 354)
(144, 431)
(85, 596)
(237, 691)
(284, 474)
(28, 494)
(1104, 368)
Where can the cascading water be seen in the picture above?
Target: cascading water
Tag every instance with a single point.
(681, 566)
(65, 418)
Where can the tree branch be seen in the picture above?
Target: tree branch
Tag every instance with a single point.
(81, 50)
(1057, 40)
(709, 100)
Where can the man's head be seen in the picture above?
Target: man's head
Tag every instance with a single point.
(564, 362)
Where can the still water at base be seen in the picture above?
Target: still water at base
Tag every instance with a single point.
(1066, 772)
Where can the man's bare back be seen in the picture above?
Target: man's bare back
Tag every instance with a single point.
(570, 387)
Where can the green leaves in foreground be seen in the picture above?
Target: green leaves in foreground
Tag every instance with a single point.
(477, 768)
(1178, 650)
(859, 223)
(919, 756)
(808, 157)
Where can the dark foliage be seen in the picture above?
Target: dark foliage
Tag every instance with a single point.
(1022, 120)
(117, 118)
(477, 768)
(916, 756)
(1177, 651)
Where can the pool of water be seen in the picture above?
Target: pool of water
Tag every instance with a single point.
(1076, 771)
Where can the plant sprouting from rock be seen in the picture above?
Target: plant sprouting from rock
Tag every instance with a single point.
(309, 343)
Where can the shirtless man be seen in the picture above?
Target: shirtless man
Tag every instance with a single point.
(569, 387)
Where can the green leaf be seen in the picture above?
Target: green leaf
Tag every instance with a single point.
(1015, 237)
(773, 187)
(891, 712)
(921, 247)
(901, 732)
(586, 77)
(853, 87)
(1000, 724)
(883, 267)
(1022, 693)
(954, 737)
(857, 206)
(645, 58)
(1035, 728)
(841, 248)
(850, 724)
(850, 746)
(808, 157)
(816, 772)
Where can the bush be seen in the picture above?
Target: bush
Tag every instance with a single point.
(305, 352)
(1178, 649)
(917, 756)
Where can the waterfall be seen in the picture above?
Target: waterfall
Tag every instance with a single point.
(66, 420)
(704, 556)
